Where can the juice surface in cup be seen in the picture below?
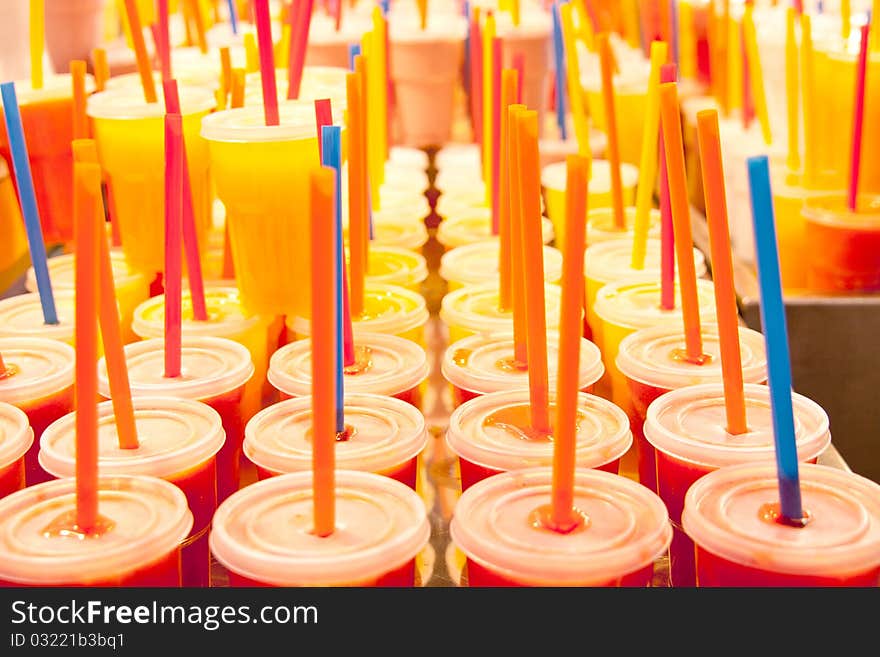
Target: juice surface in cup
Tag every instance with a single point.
(384, 365)
(731, 515)
(39, 380)
(264, 534)
(382, 435)
(688, 430)
(21, 316)
(478, 263)
(131, 147)
(654, 361)
(178, 442)
(493, 433)
(469, 225)
(479, 365)
(213, 370)
(475, 309)
(393, 265)
(16, 438)
(626, 528)
(143, 521)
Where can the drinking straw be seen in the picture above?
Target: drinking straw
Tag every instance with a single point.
(300, 21)
(509, 79)
(808, 91)
(225, 70)
(792, 91)
(476, 77)
(233, 15)
(526, 129)
(496, 130)
(670, 116)
(722, 270)
(337, 14)
(687, 46)
(519, 65)
(282, 48)
(575, 91)
(515, 12)
(228, 263)
(648, 159)
(163, 44)
(488, 104)
(199, 21)
(357, 193)
(755, 75)
(559, 62)
(667, 236)
(102, 70)
(323, 117)
(631, 24)
(28, 200)
(798, 6)
(594, 23)
(611, 127)
(38, 40)
(236, 97)
(422, 6)
(776, 338)
(858, 121)
(353, 51)
(747, 113)
(267, 62)
(674, 43)
(517, 266)
(845, 19)
(80, 119)
(87, 178)
(140, 51)
(324, 354)
(251, 55)
(872, 17)
(570, 332)
(174, 164)
(379, 107)
(190, 236)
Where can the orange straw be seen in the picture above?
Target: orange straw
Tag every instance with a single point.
(236, 98)
(529, 184)
(87, 178)
(358, 222)
(324, 310)
(605, 57)
(722, 270)
(678, 199)
(226, 70)
(509, 79)
(520, 350)
(80, 120)
(199, 20)
(423, 13)
(140, 51)
(102, 69)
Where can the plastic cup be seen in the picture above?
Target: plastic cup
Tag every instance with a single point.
(47, 121)
(328, 46)
(601, 225)
(469, 225)
(317, 82)
(455, 155)
(407, 156)
(132, 287)
(478, 263)
(39, 381)
(687, 429)
(393, 265)
(730, 515)
(16, 438)
(262, 176)
(213, 370)
(384, 435)
(475, 310)
(15, 61)
(263, 534)
(227, 318)
(73, 29)
(553, 179)
(21, 316)
(841, 245)
(144, 522)
(388, 309)
(384, 365)
(129, 133)
(493, 523)
(179, 440)
(532, 40)
(654, 362)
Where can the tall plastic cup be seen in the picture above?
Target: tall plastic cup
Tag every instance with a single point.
(478, 263)
(213, 370)
(144, 521)
(39, 381)
(21, 316)
(15, 61)
(384, 365)
(16, 438)
(330, 47)
(626, 530)
(687, 428)
(179, 440)
(385, 527)
(73, 29)
(464, 226)
(533, 41)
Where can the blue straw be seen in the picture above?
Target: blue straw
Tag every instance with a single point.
(28, 200)
(353, 51)
(559, 52)
(386, 5)
(331, 140)
(776, 338)
(233, 16)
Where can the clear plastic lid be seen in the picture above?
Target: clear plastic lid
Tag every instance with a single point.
(36, 368)
(22, 316)
(486, 430)
(128, 103)
(833, 211)
(393, 265)
(265, 531)
(62, 272)
(55, 87)
(147, 518)
(209, 367)
(627, 527)
(601, 225)
(469, 225)
(408, 156)
(725, 512)
(386, 432)
(553, 176)
(635, 303)
(478, 263)
(226, 315)
(385, 365)
(16, 434)
(317, 82)
(248, 124)
(611, 261)
(175, 435)
(654, 356)
(403, 234)
(691, 424)
(482, 364)
(458, 156)
(476, 308)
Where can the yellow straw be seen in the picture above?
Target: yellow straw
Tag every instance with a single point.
(687, 47)
(38, 37)
(808, 90)
(584, 24)
(631, 23)
(872, 34)
(488, 105)
(252, 55)
(649, 157)
(845, 18)
(515, 12)
(756, 77)
(575, 91)
(792, 89)
(380, 32)
(282, 49)
(734, 64)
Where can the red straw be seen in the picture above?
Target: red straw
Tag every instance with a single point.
(667, 238)
(337, 13)
(174, 163)
(163, 44)
(476, 45)
(323, 116)
(190, 237)
(748, 104)
(300, 20)
(267, 61)
(519, 64)
(496, 131)
(858, 121)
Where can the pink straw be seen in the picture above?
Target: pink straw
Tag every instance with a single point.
(174, 159)
(496, 131)
(267, 61)
(476, 62)
(858, 121)
(667, 239)
(164, 40)
(300, 20)
(519, 64)
(323, 116)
